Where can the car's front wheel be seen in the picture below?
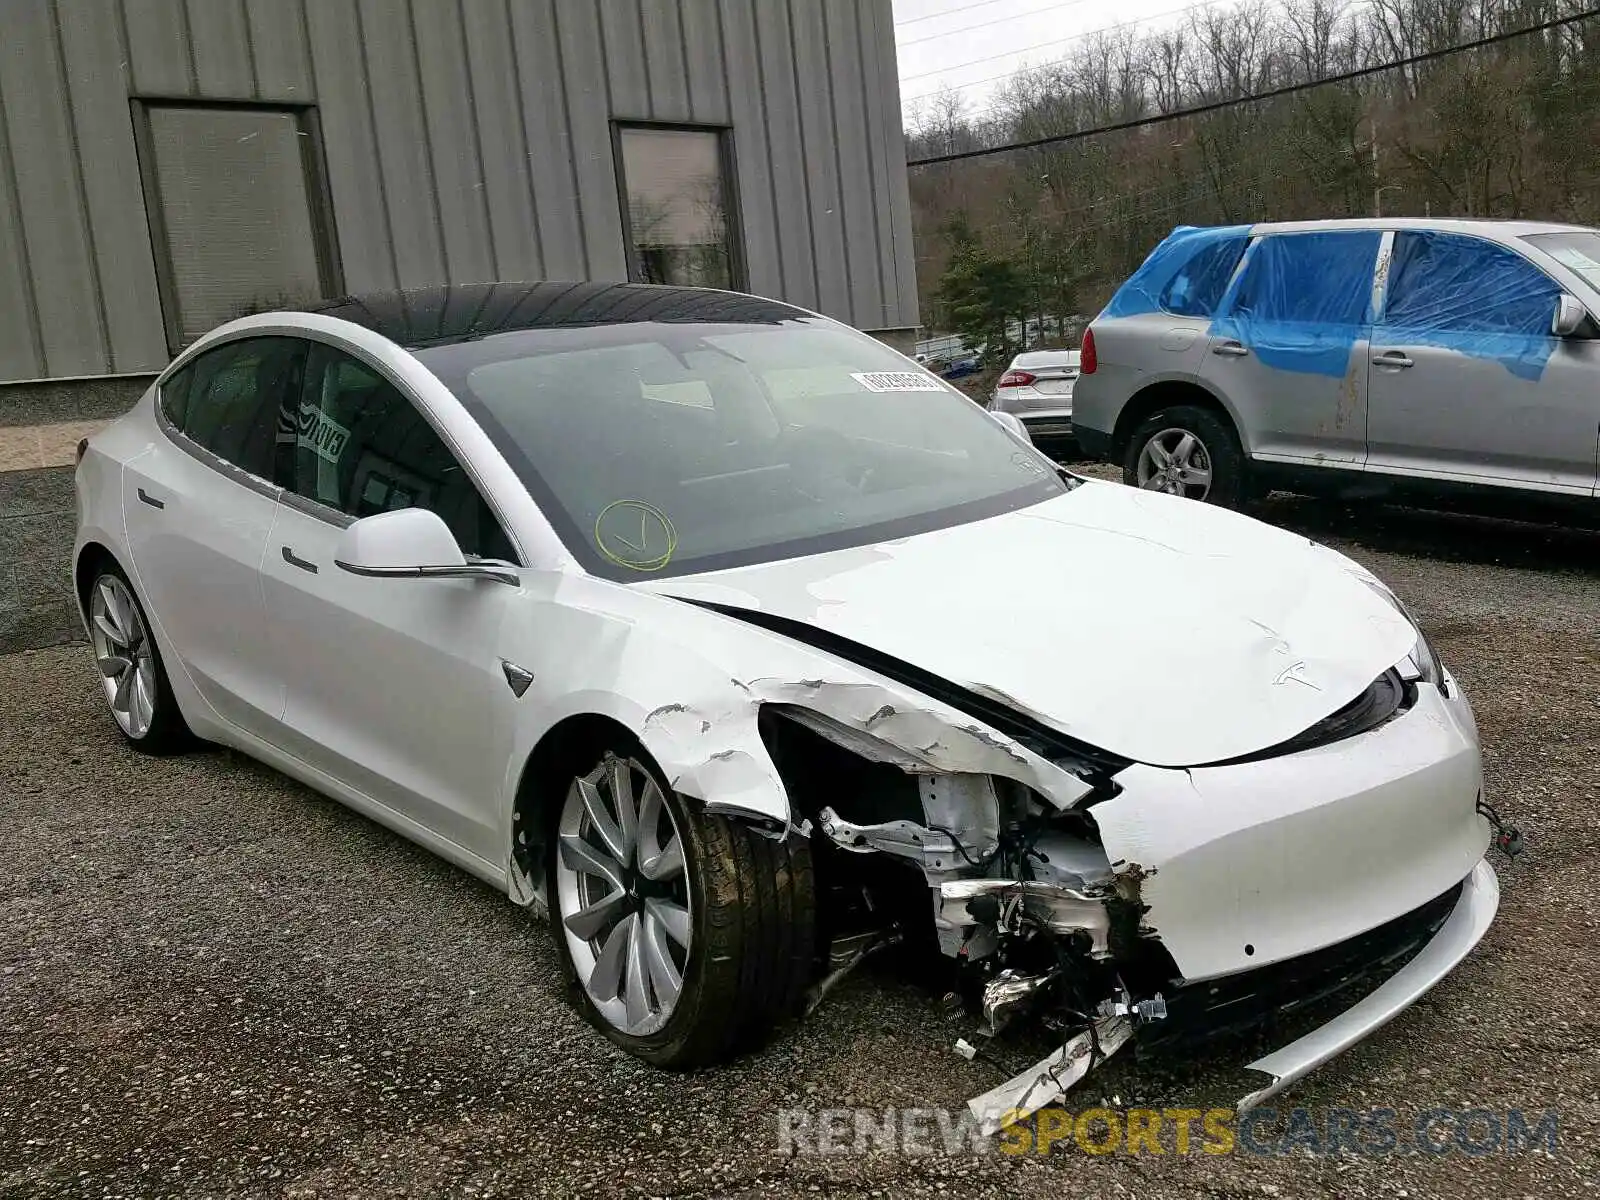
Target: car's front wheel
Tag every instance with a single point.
(131, 671)
(685, 936)
(1186, 451)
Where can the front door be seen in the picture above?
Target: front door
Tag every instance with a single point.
(1466, 380)
(395, 686)
(1289, 347)
(199, 506)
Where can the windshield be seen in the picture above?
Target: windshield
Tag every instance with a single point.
(668, 448)
(1577, 250)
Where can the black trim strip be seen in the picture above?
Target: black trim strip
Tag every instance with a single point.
(1095, 765)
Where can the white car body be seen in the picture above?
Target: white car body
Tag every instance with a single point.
(1184, 642)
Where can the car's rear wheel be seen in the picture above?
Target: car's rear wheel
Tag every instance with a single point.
(131, 671)
(686, 937)
(1186, 451)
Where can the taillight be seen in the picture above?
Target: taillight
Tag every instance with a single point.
(1017, 379)
(1086, 358)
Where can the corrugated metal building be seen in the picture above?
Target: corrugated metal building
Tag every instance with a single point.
(169, 164)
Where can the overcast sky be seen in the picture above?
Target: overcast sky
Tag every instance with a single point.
(968, 43)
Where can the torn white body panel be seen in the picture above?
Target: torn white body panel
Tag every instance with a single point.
(1256, 862)
(690, 684)
(1051, 1077)
(1246, 635)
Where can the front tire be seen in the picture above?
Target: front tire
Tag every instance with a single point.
(131, 671)
(685, 937)
(1187, 451)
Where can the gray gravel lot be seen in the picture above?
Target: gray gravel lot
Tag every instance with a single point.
(214, 982)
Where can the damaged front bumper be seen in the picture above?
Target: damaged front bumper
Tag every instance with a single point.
(1049, 1079)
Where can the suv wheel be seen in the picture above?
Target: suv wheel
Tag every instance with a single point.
(1186, 451)
(685, 937)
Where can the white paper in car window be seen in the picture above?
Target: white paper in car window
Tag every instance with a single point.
(896, 381)
(321, 434)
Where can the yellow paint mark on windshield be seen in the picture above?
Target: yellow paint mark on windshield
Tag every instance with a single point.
(635, 535)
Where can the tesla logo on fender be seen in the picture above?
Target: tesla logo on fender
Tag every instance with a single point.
(323, 437)
(1295, 674)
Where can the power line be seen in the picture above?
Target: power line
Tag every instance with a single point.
(1271, 94)
(1032, 12)
(1077, 37)
(949, 12)
(995, 57)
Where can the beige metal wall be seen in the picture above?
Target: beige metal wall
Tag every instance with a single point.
(463, 140)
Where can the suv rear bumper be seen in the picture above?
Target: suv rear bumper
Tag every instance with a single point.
(1092, 442)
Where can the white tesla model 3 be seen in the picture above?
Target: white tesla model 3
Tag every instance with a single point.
(745, 646)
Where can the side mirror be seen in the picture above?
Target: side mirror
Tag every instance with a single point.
(411, 543)
(1013, 424)
(1571, 317)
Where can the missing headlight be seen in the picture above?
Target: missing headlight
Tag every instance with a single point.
(1426, 665)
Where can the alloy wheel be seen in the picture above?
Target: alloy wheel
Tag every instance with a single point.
(1175, 461)
(622, 894)
(124, 654)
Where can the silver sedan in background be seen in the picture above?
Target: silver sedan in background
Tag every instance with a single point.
(1037, 387)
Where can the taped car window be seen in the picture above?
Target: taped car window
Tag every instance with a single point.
(1303, 300)
(1185, 274)
(1473, 296)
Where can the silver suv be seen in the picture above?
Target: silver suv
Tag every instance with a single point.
(1373, 357)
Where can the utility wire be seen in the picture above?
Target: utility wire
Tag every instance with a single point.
(949, 12)
(1077, 37)
(1032, 12)
(1271, 94)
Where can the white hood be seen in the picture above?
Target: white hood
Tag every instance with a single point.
(1166, 631)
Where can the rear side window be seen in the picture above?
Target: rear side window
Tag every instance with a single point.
(1446, 281)
(1320, 278)
(228, 399)
(1197, 288)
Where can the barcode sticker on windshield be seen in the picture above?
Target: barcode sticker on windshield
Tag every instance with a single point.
(896, 381)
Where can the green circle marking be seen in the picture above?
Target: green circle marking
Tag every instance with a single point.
(635, 535)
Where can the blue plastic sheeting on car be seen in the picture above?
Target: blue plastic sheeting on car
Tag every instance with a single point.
(1466, 294)
(1213, 250)
(1303, 300)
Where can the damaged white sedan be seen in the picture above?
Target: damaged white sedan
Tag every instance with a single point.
(744, 646)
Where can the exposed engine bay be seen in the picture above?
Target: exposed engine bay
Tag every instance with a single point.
(1038, 921)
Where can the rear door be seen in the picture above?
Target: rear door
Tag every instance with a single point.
(394, 685)
(199, 506)
(1466, 380)
(1289, 347)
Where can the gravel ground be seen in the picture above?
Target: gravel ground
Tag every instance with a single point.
(218, 983)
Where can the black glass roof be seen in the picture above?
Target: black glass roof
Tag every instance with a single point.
(438, 316)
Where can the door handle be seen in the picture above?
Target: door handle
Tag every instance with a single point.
(147, 498)
(1391, 358)
(294, 560)
(1230, 349)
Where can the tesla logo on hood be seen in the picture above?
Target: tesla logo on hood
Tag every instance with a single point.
(1295, 674)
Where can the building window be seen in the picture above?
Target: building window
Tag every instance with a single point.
(678, 206)
(237, 213)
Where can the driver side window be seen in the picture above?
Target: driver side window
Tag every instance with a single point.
(355, 443)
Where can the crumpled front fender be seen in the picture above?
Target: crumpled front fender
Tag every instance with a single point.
(691, 686)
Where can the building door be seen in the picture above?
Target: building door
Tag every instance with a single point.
(236, 212)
